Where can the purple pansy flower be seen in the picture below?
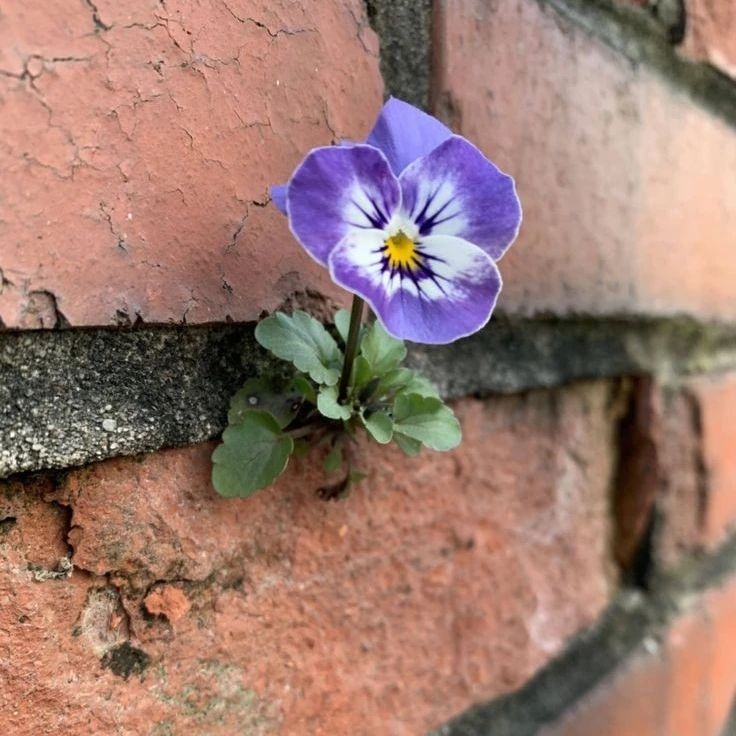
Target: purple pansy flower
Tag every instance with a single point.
(412, 220)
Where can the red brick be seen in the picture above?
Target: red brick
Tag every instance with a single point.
(136, 157)
(689, 659)
(168, 601)
(660, 473)
(683, 687)
(443, 580)
(677, 454)
(710, 33)
(627, 185)
(30, 524)
(716, 398)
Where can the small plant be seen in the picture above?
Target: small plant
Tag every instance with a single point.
(411, 222)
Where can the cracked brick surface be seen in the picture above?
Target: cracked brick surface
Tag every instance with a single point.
(442, 580)
(137, 144)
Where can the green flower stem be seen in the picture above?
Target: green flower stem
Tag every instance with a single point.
(356, 314)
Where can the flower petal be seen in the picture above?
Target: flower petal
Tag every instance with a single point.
(278, 191)
(338, 190)
(456, 190)
(452, 298)
(278, 197)
(405, 133)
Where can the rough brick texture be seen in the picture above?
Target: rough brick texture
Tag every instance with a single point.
(676, 481)
(628, 191)
(137, 144)
(443, 580)
(682, 686)
(716, 399)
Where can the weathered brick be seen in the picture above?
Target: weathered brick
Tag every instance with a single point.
(677, 434)
(658, 499)
(677, 463)
(627, 184)
(138, 141)
(710, 33)
(444, 579)
(683, 686)
(716, 400)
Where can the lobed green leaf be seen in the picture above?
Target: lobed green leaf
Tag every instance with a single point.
(259, 393)
(379, 426)
(407, 445)
(342, 323)
(418, 384)
(305, 342)
(427, 420)
(328, 405)
(252, 455)
(301, 385)
(383, 352)
(362, 372)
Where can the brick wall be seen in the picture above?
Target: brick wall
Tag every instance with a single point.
(568, 570)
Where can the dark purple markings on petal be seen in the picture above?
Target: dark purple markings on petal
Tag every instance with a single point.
(418, 270)
(428, 222)
(404, 133)
(421, 270)
(456, 190)
(421, 217)
(451, 295)
(378, 218)
(336, 190)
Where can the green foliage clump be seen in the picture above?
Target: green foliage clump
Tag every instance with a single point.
(271, 419)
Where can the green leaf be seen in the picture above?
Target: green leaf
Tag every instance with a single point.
(407, 381)
(259, 393)
(342, 323)
(395, 380)
(382, 351)
(379, 426)
(252, 455)
(407, 445)
(418, 384)
(305, 342)
(362, 372)
(428, 420)
(301, 384)
(333, 461)
(368, 391)
(328, 405)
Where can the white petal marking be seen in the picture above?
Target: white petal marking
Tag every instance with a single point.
(438, 204)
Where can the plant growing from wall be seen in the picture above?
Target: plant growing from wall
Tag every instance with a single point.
(412, 223)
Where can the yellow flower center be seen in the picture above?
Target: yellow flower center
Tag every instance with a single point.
(401, 252)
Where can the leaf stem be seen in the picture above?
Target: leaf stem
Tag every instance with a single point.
(351, 346)
(304, 430)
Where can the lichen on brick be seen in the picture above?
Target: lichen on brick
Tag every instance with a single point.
(125, 660)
